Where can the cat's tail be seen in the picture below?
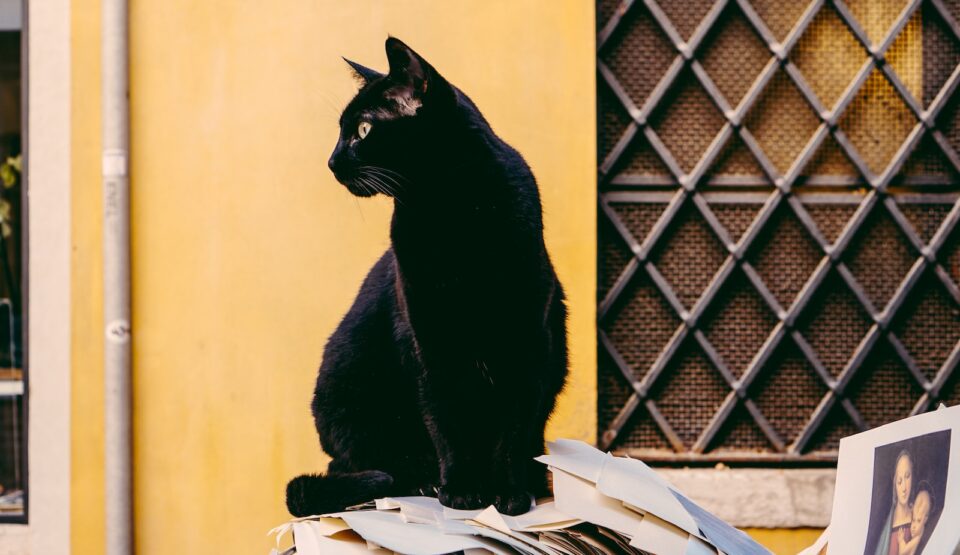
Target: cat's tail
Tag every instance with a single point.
(317, 494)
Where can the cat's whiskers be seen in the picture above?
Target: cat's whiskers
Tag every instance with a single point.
(357, 201)
(393, 175)
(384, 184)
(379, 187)
(368, 184)
(365, 185)
(391, 184)
(381, 182)
(388, 180)
(332, 102)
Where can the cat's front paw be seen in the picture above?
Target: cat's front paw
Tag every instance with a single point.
(515, 502)
(463, 499)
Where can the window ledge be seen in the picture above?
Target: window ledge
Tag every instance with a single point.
(760, 497)
(14, 538)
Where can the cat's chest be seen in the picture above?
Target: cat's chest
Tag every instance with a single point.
(453, 245)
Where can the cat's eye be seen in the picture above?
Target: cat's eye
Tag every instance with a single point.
(363, 129)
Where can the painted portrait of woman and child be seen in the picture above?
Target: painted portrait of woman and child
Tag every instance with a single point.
(909, 486)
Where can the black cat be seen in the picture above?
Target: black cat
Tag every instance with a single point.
(443, 373)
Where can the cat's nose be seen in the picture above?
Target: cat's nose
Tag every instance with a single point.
(331, 163)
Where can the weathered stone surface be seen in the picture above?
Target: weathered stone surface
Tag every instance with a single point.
(760, 498)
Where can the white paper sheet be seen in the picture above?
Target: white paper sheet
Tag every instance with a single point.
(696, 546)
(574, 457)
(520, 544)
(545, 516)
(719, 533)
(635, 483)
(658, 536)
(489, 546)
(311, 539)
(390, 531)
(580, 499)
(429, 510)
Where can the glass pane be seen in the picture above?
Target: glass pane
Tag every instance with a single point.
(12, 438)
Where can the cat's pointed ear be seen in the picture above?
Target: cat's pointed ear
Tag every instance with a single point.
(363, 73)
(407, 67)
(413, 77)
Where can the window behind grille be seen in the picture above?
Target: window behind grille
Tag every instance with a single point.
(778, 252)
(12, 375)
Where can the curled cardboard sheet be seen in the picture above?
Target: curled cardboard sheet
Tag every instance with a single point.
(427, 510)
(575, 458)
(579, 498)
(655, 535)
(314, 539)
(392, 532)
(638, 487)
(635, 484)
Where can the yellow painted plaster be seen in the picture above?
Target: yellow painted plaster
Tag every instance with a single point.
(86, 481)
(783, 541)
(246, 253)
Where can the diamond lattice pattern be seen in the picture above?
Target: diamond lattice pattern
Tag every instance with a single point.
(778, 201)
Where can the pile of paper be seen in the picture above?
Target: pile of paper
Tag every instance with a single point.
(602, 505)
(627, 497)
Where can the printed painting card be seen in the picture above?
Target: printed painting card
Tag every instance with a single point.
(898, 488)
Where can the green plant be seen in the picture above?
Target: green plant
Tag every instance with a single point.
(10, 176)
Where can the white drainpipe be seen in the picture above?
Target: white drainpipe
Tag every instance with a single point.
(116, 278)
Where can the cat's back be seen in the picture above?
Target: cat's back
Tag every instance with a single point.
(373, 305)
(505, 166)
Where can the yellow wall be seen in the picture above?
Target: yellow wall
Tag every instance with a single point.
(86, 484)
(785, 541)
(246, 252)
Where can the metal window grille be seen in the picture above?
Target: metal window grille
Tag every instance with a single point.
(778, 239)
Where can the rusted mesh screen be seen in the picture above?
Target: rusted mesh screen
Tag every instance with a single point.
(880, 257)
(689, 122)
(690, 393)
(788, 375)
(689, 256)
(877, 122)
(686, 16)
(886, 392)
(732, 39)
(735, 159)
(642, 325)
(740, 435)
(796, 251)
(928, 325)
(639, 37)
(738, 326)
(779, 16)
(829, 56)
(834, 324)
(784, 256)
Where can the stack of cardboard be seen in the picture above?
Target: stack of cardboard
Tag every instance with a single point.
(626, 496)
(602, 505)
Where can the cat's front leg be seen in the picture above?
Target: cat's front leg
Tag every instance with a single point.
(520, 429)
(465, 481)
(460, 415)
(486, 456)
